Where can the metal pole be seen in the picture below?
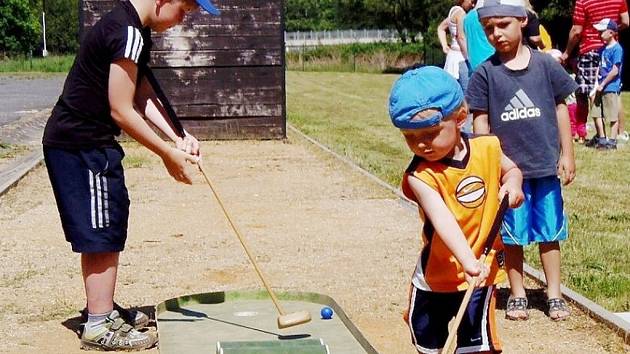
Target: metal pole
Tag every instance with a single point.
(44, 51)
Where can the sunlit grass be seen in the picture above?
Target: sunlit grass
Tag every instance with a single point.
(50, 64)
(348, 113)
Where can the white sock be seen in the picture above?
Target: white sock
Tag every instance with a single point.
(95, 322)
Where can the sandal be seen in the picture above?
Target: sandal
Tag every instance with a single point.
(516, 309)
(558, 309)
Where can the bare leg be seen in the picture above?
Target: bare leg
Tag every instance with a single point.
(621, 127)
(550, 257)
(517, 303)
(599, 127)
(99, 277)
(514, 266)
(614, 129)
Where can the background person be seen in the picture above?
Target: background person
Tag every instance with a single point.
(472, 39)
(606, 106)
(454, 63)
(587, 13)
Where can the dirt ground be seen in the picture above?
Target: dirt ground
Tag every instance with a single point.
(315, 225)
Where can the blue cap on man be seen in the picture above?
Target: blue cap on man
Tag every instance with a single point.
(208, 6)
(417, 90)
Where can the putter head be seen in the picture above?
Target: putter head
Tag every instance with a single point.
(293, 319)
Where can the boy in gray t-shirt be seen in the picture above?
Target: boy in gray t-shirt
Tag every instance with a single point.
(518, 95)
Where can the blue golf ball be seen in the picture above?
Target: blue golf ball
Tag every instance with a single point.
(327, 313)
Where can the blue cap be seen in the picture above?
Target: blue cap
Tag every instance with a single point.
(428, 87)
(208, 6)
(606, 24)
(502, 8)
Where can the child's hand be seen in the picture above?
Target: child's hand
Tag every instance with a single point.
(188, 144)
(476, 272)
(176, 162)
(514, 192)
(566, 169)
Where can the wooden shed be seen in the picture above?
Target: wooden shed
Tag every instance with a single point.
(224, 75)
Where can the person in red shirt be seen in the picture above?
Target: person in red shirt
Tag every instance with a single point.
(585, 14)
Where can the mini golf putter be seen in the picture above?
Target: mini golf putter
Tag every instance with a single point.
(284, 319)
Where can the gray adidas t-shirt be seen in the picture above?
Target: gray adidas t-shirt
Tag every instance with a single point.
(521, 107)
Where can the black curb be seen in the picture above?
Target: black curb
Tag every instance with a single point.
(614, 322)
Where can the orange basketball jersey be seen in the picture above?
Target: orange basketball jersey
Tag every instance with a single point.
(470, 190)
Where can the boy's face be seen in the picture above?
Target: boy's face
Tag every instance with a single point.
(436, 142)
(170, 13)
(607, 35)
(504, 33)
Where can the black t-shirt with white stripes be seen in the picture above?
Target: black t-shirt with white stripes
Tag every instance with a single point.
(82, 116)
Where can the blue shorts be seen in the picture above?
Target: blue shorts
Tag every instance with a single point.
(541, 216)
(89, 187)
(430, 313)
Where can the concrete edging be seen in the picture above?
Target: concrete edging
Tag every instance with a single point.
(16, 170)
(617, 324)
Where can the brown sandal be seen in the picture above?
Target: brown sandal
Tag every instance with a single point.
(516, 309)
(558, 309)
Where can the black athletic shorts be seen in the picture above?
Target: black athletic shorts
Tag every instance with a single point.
(92, 199)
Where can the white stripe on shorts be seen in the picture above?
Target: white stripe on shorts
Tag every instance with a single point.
(485, 344)
(92, 200)
(412, 303)
(105, 200)
(99, 201)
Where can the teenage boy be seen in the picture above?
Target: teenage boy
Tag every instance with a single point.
(107, 90)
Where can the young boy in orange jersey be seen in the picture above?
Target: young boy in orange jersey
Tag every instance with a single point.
(457, 181)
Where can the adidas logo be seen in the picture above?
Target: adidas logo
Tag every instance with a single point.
(520, 107)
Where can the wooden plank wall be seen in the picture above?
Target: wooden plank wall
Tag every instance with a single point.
(224, 75)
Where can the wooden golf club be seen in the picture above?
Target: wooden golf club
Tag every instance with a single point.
(284, 320)
(494, 230)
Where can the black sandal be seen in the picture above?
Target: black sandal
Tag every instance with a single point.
(516, 304)
(558, 309)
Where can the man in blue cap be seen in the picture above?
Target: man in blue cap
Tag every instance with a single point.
(457, 181)
(106, 91)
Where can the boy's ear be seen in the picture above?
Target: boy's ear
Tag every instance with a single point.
(462, 114)
(524, 22)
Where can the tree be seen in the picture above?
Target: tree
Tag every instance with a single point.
(310, 15)
(19, 27)
(62, 26)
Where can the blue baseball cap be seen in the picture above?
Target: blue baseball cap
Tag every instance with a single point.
(502, 8)
(606, 24)
(208, 6)
(428, 87)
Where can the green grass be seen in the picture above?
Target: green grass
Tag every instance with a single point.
(50, 64)
(348, 113)
(361, 57)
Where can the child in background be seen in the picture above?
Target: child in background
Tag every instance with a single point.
(457, 182)
(107, 90)
(518, 95)
(606, 102)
